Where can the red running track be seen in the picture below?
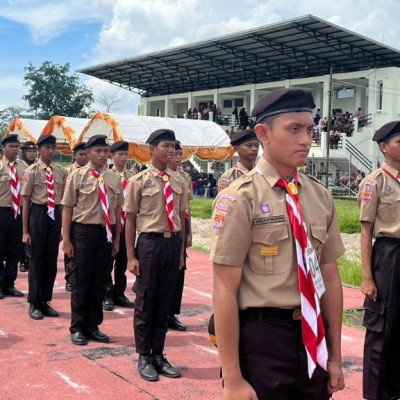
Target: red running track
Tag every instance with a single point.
(38, 361)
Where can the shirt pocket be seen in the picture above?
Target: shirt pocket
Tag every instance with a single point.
(388, 209)
(59, 185)
(150, 198)
(269, 254)
(88, 196)
(318, 236)
(4, 178)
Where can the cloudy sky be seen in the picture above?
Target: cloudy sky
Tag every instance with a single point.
(88, 32)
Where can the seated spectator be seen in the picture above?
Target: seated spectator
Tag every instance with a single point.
(321, 170)
(344, 181)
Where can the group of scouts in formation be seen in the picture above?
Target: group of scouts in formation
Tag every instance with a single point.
(275, 243)
(82, 205)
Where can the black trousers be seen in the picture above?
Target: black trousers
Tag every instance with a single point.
(118, 264)
(10, 244)
(159, 266)
(381, 376)
(274, 361)
(23, 258)
(180, 282)
(92, 254)
(45, 234)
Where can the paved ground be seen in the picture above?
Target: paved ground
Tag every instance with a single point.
(38, 361)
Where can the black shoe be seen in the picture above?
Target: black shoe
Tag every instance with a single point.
(108, 305)
(35, 312)
(1, 294)
(68, 287)
(48, 310)
(13, 292)
(146, 368)
(163, 367)
(175, 324)
(79, 339)
(98, 336)
(23, 267)
(123, 301)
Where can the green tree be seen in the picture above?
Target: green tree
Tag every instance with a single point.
(8, 114)
(53, 90)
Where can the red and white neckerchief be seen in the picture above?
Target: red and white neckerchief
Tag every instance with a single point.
(313, 331)
(15, 189)
(50, 192)
(124, 183)
(169, 199)
(391, 175)
(105, 204)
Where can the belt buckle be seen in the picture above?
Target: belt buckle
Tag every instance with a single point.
(167, 235)
(297, 314)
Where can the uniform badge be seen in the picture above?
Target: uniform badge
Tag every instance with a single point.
(85, 182)
(218, 223)
(293, 188)
(148, 183)
(226, 196)
(122, 174)
(366, 197)
(11, 164)
(265, 208)
(48, 169)
(388, 188)
(165, 178)
(100, 179)
(222, 207)
(224, 183)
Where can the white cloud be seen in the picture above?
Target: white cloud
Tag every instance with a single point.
(12, 89)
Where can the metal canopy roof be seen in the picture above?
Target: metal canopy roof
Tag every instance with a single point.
(297, 48)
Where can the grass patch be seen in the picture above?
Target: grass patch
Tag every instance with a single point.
(353, 318)
(201, 207)
(350, 269)
(203, 249)
(348, 216)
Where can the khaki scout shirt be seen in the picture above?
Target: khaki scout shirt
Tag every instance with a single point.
(379, 202)
(82, 192)
(126, 172)
(5, 180)
(231, 175)
(251, 230)
(146, 199)
(73, 167)
(188, 181)
(35, 186)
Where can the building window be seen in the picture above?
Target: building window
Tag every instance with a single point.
(379, 95)
(227, 104)
(238, 102)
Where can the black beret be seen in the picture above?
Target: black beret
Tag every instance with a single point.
(120, 145)
(160, 135)
(178, 145)
(46, 140)
(10, 139)
(28, 145)
(386, 131)
(97, 140)
(242, 136)
(79, 146)
(283, 101)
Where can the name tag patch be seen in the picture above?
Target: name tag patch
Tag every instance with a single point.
(222, 207)
(218, 223)
(268, 220)
(269, 251)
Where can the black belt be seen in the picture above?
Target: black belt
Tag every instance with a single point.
(387, 239)
(165, 235)
(265, 313)
(43, 205)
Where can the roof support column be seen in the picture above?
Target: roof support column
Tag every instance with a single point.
(325, 101)
(253, 99)
(169, 112)
(144, 106)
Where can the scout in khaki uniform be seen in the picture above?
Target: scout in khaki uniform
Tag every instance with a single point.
(28, 155)
(28, 152)
(42, 191)
(91, 225)
(379, 200)
(173, 320)
(11, 174)
(275, 241)
(246, 145)
(155, 204)
(81, 159)
(115, 294)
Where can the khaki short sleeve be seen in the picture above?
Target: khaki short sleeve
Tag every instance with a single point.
(28, 182)
(367, 200)
(132, 201)
(231, 233)
(70, 197)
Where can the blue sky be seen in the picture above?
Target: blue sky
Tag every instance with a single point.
(88, 32)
